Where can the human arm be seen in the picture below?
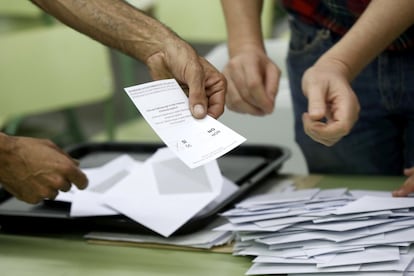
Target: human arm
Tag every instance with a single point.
(34, 169)
(119, 25)
(252, 77)
(327, 83)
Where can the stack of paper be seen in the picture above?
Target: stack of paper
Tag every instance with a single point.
(203, 239)
(161, 193)
(324, 232)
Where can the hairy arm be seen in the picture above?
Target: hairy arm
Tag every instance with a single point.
(35, 169)
(113, 23)
(119, 25)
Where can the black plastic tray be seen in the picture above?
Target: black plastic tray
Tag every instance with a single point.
(247, 166)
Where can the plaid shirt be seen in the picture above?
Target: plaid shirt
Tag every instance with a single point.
(338, 16)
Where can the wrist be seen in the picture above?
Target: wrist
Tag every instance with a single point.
(334, 64)
(238, 48)
(156, 43)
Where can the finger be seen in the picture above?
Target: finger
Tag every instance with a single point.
(240, 92)
(256, 93)
(65, 186)
(409, 171)
(78, 178)
(216, 104)
(403, 191)
(197, 94)
(316, 102)
(46, 192)
(235, 103)
(272, 81)
(52, 194)
(326, 134)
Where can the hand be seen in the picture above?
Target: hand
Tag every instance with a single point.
(36, 169)
(253, 81)
(207, 86)
(408, 186)
(333, 107)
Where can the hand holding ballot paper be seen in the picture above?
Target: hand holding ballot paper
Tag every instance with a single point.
(195, 141)
(175, 183)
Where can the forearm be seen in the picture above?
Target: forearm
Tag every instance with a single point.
(243, 24)
(381, 23)
(113, 23)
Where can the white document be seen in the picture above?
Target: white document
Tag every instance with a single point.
(375, 254)
(249, 227)
(375, 273)
(279, 198)
(263, 269)
(346, 225)
(165, 107)
(373, 203)
(203, 238)
(163, 193)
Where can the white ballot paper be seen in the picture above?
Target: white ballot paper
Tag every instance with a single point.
(165, 107)
(163, 193)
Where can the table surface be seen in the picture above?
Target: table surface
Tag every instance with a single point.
(71, 255)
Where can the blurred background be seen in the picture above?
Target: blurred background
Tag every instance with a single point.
(73, 99)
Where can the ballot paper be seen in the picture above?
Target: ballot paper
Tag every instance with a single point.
(165, 107)
(324, 232)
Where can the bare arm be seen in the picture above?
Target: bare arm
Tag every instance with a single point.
(327, 82)
(114, 23)
(243, 24)
(252, 77)
(381, 23)
(119, 25)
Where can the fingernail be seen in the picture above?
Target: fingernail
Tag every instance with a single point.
(198, 110)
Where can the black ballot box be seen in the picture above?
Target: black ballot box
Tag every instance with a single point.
(247, 166)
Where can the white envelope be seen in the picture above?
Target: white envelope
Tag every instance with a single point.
(374, 203)
(89, 202)
(163, 193)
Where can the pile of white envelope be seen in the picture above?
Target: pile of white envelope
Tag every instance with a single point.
(161, 193)
(204, 238)
(325, 232)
